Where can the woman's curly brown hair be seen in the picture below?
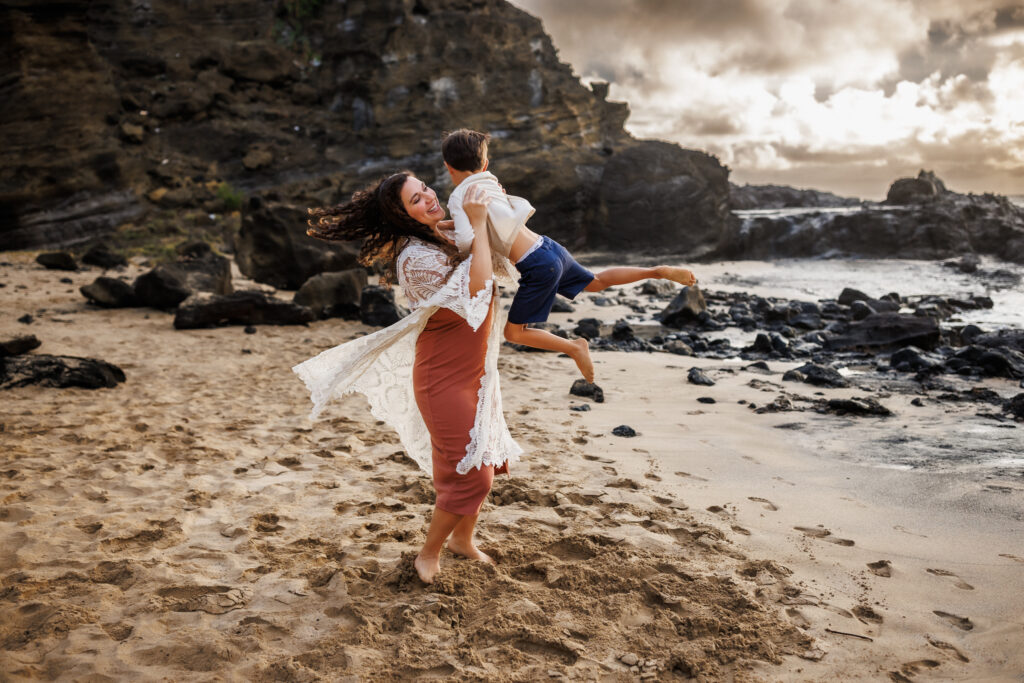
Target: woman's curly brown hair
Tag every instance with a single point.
(377, 216)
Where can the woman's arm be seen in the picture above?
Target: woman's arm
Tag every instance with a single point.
(475, 207)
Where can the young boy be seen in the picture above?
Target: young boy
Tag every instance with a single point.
(545, 267)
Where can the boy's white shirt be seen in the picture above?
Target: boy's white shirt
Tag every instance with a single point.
(506, 214)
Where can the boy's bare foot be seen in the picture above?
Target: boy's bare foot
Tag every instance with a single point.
(681, 275)
(427, 568)
(582, 357)
(470, 551)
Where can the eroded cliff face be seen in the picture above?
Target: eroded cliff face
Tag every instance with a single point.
(115, 110)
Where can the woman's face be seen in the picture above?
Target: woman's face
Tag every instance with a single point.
(421, 203)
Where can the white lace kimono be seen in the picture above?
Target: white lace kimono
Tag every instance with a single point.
(380, 365)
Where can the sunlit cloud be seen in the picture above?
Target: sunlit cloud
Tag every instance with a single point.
(843, 95)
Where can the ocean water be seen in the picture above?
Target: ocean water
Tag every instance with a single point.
(814, 279)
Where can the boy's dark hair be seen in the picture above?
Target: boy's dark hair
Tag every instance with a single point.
(464, 149)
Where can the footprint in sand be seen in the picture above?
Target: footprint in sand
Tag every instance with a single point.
(797, 617)
(689, 476)
(962, 623)
(949, 649)
(783, 481)
(957, 581)
(881, 568)
(823, 534)
(867, 615)
(768, 505)
(911, 669)
(907, 531)
(1012, 557)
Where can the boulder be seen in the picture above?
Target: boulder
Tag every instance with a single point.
(856, 406)
(161, 287)
(333, 295)
(582, 387)
(911, 359)
(588, 328)
(272, 246)
(201, 270)
(819, 375)
(658, 288)
(57, 260)
(246, 307)
(697, 376)
(58, 372)
(377, 307)
(101, 256)
(881, 331)
(1015, 406)
(110, 292)
(926, 186)
(993, 362)
(19, 345)
(685, 308)
(849, 295)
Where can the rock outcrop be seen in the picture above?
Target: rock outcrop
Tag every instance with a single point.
(164, 107)
(929, 222)
(742, 197)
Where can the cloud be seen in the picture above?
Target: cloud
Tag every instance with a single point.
(776, 87)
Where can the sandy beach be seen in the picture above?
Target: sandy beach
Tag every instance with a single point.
(192, 524)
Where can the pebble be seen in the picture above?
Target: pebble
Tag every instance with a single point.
(624, 430)
(705, 399)
(581, 408)
(629, 659)
(697, 376)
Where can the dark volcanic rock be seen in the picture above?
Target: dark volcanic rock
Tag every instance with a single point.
(19, 345)
(856, 406)
(57, 260)
(161, 287)
(333, 295)
(58, 372)
(624, 430)
(697, 376)
(860, 310)
(100, 255)
(686, 307)
(940, 226)
(588, 328)
(273, 247)
(782, 197)
(911, 359)
(849, 295)
(560, 305)
(110, 293)
(1015, 406)
(925, 187)
(887, 330)
(246, 307)
(201, 270)
(377, 306)
(582, 387)
(820, 375)
(992, 362)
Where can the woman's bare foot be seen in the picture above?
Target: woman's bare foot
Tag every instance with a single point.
(469, 551)
(581, 354)
(427, 568)
(681, 275)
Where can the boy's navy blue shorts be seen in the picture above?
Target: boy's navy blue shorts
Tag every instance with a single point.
(549, 270)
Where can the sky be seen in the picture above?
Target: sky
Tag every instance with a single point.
(838, 95)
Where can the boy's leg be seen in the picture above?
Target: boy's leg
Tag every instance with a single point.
(577, 349)
(628, 274)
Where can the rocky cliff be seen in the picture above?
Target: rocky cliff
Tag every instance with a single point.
(116, 112)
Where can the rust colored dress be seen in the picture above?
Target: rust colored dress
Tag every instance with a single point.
(446, 377)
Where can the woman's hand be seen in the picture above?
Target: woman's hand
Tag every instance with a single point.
(445, 231)
(475, 205)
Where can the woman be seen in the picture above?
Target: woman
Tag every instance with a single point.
(434, 374)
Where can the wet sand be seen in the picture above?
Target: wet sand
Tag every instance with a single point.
(193, 524)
